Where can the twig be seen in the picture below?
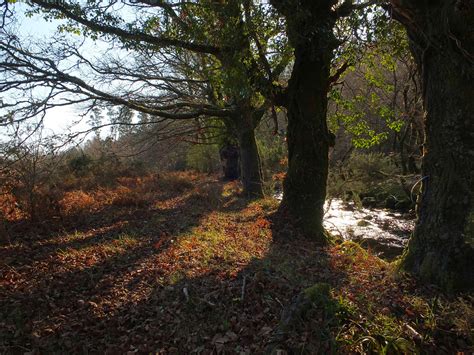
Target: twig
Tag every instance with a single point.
(186, 293)
(328, 207)
(12, 269)
(413, 333)
(208, 302)
(340, 233)
(242, 296)
(415, 185)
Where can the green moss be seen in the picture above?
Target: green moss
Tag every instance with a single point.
(431, 271)
(268, 203)
(352, 249)
(175, 277)
(334, 309)
(363, 223)
(318, 293)
(433, 268)
(427, 266)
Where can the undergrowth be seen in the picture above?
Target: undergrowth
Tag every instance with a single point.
(196, 268)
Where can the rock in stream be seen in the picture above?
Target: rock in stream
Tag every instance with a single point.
(383, 231)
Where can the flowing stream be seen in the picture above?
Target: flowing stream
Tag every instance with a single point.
(383, 231)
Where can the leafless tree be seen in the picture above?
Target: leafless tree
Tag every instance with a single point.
(166, 77)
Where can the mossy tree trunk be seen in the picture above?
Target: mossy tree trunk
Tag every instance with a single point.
(250, 166)
(310, 31)
(441, 248)
(238, 85)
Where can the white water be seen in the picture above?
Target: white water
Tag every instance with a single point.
(349, 222)
(385, 232)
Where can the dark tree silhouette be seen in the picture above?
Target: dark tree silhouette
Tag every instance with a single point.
(441, 248)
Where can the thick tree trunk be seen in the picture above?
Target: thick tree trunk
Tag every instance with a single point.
(310, 31)
(250, 168)
(304, 189)
(230, 159)
(441, 249)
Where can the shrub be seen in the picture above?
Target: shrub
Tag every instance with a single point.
(80, 165)
(366, 174)
(273, 152)
(203, 158)
(9, 210)
(175, 182)
(77, 202)
(126, 197)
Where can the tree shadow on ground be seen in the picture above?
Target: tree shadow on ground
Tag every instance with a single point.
(153, 296)
(58, 286)
(158, 217)
(211, 275)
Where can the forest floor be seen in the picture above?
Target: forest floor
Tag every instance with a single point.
(181, 264)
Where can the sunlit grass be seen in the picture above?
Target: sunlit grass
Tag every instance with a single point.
(120, 245)
(210, 262)
(219, 243)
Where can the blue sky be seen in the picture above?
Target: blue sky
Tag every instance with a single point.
(59, 119)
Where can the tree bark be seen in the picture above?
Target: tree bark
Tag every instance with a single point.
(304, 191)
(304, 188)
(230, 159)
(441, 249)
(250, 167)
